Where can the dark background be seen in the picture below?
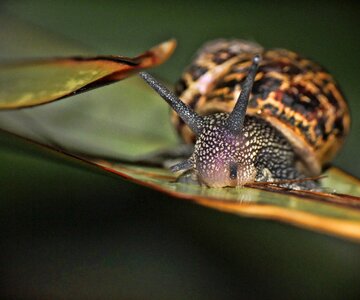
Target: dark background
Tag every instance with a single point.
(71, 231)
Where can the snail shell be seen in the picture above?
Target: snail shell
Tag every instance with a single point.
(295, 95)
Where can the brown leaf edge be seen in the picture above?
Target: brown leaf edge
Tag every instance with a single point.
(341, 228)
(126, 67)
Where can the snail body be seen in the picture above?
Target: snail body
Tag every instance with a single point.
(256, 115)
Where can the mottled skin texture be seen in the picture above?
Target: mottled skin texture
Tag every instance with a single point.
(259, 153)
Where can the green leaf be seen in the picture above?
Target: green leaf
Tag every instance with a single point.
(38, 82)
(332, 213)
(121, 121)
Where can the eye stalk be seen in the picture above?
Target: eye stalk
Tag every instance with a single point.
(236, 118)
(190, 117)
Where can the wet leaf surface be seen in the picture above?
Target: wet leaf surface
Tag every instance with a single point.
(333, 213)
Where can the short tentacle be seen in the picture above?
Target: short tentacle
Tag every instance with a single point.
(182, 166)
(190, 117)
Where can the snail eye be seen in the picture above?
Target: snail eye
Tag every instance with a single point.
(233, 171)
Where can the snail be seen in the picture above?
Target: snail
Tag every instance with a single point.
(256, 115)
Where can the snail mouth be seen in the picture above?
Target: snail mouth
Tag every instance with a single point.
(223, 184)
(217, 179)
(222, 179)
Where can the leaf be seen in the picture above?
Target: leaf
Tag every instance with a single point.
(332, 213)
(335, 212)
(129, 121)
(38, 82)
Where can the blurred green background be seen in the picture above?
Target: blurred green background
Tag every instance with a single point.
(70, 231)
